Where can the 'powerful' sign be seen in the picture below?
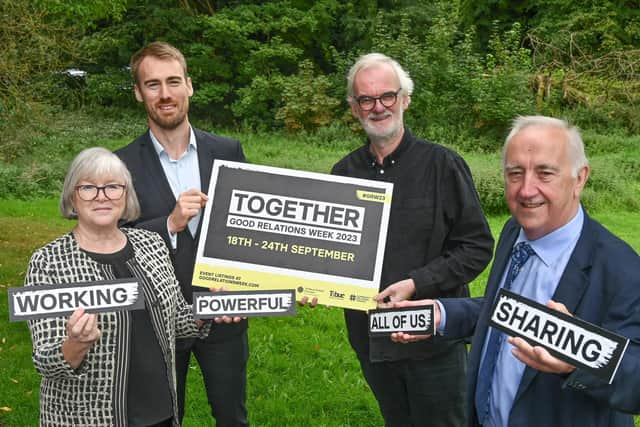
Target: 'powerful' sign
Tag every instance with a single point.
(207, 305)
(32, 302)
(568, 338)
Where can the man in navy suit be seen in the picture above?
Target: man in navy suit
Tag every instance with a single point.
(573, 265)
(171, 167)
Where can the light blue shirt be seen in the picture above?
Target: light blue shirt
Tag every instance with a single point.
(183, 174)
(537, 280)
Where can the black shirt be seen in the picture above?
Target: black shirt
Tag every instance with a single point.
(437, 234)
(148, 391)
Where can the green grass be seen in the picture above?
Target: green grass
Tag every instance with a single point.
(301, 370)
(34, 166)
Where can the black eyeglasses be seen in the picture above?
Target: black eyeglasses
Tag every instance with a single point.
(90, 192)
(387, 99)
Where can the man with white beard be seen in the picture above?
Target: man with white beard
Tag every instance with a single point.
(438, 241)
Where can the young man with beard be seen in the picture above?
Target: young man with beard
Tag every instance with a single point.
(438, 241)
(171, 167)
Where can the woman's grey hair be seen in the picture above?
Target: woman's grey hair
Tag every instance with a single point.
(575, 145)
(91, 164)
(372, 60)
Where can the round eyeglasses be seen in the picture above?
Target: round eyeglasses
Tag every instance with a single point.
(387, 99)
(90, 192)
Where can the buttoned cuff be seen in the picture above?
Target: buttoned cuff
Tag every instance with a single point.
(173, 237)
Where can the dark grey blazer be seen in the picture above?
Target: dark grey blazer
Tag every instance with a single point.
(600, 284)
(157, 201)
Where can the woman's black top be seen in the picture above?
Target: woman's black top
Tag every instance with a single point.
(148, 392)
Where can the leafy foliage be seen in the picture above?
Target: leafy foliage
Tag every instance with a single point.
(39, 44)
(306, 102)
(476, 64)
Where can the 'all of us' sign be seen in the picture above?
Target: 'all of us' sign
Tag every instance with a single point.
(413, 320)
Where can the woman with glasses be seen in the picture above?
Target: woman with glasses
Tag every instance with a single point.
(112, 368)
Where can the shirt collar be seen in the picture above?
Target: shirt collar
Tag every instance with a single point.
(393, 157)
(160, 149)
(549, 247)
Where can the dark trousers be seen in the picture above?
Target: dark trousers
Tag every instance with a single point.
(428, 392)
(224, 371)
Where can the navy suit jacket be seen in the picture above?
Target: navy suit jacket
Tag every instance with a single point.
(157, 201)
(600, 284)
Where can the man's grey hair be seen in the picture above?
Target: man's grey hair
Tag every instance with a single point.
(372, 60)
(91, 164)
(575, 145)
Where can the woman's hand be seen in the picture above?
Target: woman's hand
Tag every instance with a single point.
(82, 334)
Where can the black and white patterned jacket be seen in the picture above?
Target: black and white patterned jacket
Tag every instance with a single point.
(94, 394)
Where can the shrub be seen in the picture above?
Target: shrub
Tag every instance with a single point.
(306, 104)
(487, 176)
(113, 88)
(257, 102)
(42, 180)
(613, 183)
(610, 142)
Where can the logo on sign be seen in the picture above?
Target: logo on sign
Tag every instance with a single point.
(336, 295)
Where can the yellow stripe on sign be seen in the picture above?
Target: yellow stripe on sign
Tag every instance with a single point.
(372, 196)
(328, 293)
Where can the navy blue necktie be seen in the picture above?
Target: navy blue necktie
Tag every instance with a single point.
(521, 253)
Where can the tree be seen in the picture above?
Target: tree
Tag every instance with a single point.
(38, 44)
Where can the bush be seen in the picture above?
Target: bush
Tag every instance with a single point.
(257, 102)
(113, 88)
(487, 176)
(613, 183)
(33, 181)
(497, 84)
(611, 142)
(306, 104)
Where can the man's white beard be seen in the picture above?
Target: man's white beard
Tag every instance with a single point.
(382, 137)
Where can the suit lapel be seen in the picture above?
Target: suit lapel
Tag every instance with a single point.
(206, 156)
(205, 162)
(572, 286)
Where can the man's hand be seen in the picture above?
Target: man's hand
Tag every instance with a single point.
(396, 292)
(225, 319)
(188, 205)
(404, 338)
(538, 357)
(305, 300)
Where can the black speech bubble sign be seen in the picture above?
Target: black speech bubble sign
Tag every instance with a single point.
(262, 303)
(568, 338)
(34, 302)
(416, 320)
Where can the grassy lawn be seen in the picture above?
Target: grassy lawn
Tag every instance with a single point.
(301, 368)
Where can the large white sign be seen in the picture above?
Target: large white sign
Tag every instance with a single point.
(273, 228)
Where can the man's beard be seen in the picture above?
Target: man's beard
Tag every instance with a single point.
(382, 136)
(167, 123)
